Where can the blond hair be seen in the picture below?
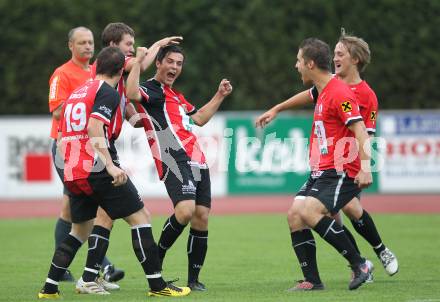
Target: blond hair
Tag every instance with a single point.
(357, 48)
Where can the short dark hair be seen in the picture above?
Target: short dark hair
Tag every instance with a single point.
(318, 51)
(114, 32)
(168, 49)
(110, 61)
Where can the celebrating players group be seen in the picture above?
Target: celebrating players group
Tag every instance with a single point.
(89, 104)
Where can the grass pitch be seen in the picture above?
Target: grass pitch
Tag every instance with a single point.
(249, 259)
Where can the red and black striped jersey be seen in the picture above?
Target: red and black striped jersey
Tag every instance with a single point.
(120, 113)
(167, 123)
(95, 99)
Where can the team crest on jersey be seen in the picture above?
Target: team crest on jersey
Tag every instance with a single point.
(346, 106)
(373, 115)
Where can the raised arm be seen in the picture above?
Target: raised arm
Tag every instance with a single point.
(132, 89)
(152, 52)
(204, 114)
(299, 99)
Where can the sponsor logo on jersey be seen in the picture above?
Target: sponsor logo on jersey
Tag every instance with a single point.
(373, 115)
(346, 106)
(105, 110)
(78, 95)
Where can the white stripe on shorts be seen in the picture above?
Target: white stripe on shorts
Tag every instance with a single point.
(338, 189)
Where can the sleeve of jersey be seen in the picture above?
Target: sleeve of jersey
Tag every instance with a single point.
(190, 108)
(105, 105)
(58, 90)
(313, 93)
(371, 117)
(144, 93)
(347, 110)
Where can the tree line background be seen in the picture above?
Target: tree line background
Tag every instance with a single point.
(253, 43)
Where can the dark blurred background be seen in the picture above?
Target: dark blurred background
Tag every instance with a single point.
(252, 43)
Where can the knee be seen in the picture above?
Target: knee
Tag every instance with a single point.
(143, 216)
(306, 214)
(294, 218)
(202, 216)
(338, 218)
(353, 210)
(184, 214)
(147, 215)
(140, 217)
(104, 221)
(82, 231)
(200, 219)
(292, 215)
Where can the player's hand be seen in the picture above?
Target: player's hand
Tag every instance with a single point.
(119, 175)
(170, 40)
(265, 118)
(363, 179)
(141, 52)
(225, 88)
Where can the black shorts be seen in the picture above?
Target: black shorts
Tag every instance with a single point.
(192, 182)
(333, 189)
(98, 190)
(59, 166)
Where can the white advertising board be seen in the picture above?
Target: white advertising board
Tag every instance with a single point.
(412, 156)
(27, 170)
(25, 157)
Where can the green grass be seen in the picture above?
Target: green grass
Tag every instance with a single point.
(249, 259)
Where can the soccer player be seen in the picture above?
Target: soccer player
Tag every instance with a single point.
(64, 80)
(352, 55)
(93, 176)
(334, 180)
(179, 160)
(122, 36)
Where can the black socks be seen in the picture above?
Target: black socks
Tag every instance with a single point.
(304, 246)
(197, 247)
